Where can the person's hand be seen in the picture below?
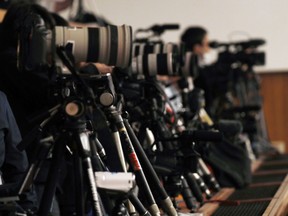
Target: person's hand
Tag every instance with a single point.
(103, 68)
(100, 68)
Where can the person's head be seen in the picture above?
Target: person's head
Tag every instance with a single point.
(17, 17)
(195, 39)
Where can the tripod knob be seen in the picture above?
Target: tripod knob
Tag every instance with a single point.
(74, 108)
(106, 99)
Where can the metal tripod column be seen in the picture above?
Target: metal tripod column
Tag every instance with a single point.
(133, 159)
(84, 144)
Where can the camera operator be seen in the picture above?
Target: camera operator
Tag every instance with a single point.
(29, 90)
(26, 91)
(213, 81)
(65, 9)
(13, 163)
(196, 39)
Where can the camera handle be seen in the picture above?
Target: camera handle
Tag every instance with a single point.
(115, 118)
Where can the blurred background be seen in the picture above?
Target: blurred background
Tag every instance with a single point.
(225, 20)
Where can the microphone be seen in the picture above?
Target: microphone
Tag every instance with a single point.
(162, 28)
(216, 44)
(253, 43)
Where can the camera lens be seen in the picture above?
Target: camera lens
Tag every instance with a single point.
(190, 65)
(111, 45)
(155, 64)
(143, 49)
(156, 48)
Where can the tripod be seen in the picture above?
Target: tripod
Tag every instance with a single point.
(72, 133)
(105, 99)
(75, 135)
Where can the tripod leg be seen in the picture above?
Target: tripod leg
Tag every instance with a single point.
(194, 187)
(208, 176)
(133, 199)
(133, 159)
(84, 144)
(151, 174)
(93, 187)
(188, 197)
(118, 144)
(79, 184)
(138, 205)
(97, 156)
(53, 175)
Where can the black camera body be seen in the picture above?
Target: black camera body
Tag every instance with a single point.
(242, 57)
(243, 52)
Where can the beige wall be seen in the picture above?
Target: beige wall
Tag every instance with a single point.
(225, 20)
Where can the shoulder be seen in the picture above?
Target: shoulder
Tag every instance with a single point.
(3, 104)
(3, 98)
(4, 108)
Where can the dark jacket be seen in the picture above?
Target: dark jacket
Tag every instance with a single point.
(13, 163)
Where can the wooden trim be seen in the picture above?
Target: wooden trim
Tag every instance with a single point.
(265, 184)
(278, 162)
(279, 205)
(209, 208)
(272, 72)
(271, 172)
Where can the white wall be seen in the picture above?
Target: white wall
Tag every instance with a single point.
(225, 20)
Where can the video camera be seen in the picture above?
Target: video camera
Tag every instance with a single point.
(243, 52)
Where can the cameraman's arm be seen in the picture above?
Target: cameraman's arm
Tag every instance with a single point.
(95, 68)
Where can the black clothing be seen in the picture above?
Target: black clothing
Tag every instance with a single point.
(13, 163)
